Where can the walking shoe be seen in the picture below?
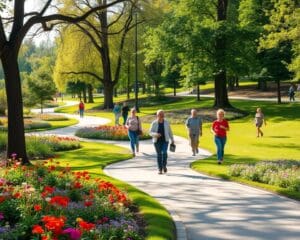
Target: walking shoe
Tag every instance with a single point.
(137, 148)
(197, 150)
(133, 154)
(160, 172)
(165, 169)
(219, 162)
(194, 154)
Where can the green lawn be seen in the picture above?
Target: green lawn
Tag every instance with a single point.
(93, 157)
(56, 124)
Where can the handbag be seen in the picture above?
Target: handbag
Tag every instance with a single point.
(172, 147)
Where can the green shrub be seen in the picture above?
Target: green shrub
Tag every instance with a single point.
(284, 173)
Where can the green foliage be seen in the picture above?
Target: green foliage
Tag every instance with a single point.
(3, 104)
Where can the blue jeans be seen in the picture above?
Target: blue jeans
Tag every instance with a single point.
(134, 139)
(161, 148)
(81, 111)
(220, 143)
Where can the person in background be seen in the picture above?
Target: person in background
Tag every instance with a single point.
(161, 133)
(81, 109)
(194, 126)
(291, 93)
(134, 126)
(117, 112)
(259, 120)
(219, 129)
(125, 110)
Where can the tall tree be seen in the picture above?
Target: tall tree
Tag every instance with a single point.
(10, 42)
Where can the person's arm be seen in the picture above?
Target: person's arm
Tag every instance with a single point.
(171, 134)
(152, 131)
(127, 123)
(200, 127)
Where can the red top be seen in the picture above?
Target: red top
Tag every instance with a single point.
(220, 132)
(81, 106)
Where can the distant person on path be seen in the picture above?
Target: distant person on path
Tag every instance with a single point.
(194, 126)
(81, 109)
(259, 121)
(291, 93)
(125, 110)
(161, 133)
(219, 129)
(117, 112)
(134, 126)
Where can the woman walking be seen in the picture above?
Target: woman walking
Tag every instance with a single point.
(161, 133)
(133, 124)
(259, 120)
(219, 129)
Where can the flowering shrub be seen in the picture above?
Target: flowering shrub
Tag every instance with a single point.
(285, 174)
(35, 124)
(106, 132)
(39, 202)
(44, 146)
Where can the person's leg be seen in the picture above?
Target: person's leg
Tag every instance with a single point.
(164, 150)
(191, 142)
(131, 135)
(258, 131)
(158, 149)
(197, 143)
(219, 148)
(137, 143)
(223, 142)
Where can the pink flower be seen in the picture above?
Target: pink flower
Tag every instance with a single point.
(74, 233)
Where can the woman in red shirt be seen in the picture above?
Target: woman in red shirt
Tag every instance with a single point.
(219, 129)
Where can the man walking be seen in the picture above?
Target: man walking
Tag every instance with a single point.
(194, 126)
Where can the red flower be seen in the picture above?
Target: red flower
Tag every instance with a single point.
(60, 201)
(54, 224)
(86, 226)
(37, 208)
(37, 229)
(77, 185)
(17, 195)
(2, 199)
(88, 203)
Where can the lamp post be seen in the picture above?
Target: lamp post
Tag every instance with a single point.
(136, 91)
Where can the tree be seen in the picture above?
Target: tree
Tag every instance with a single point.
(40, 83)
(10, 42)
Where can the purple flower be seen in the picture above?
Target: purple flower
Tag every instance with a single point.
(13, 155)
(74, 233)
(1, 216)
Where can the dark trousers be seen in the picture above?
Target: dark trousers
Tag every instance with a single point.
(161, 148)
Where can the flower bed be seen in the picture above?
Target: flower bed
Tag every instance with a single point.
(42, 147)
(38, 202)
(285, 174)
(51, 117)
(106, 132)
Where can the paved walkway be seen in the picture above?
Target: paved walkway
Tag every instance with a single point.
(208, 208)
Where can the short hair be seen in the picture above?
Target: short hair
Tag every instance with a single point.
(159, 111)
(220, 111)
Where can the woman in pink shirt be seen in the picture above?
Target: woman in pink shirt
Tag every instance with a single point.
(219, 129)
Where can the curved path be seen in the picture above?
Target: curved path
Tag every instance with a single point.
(209, 208)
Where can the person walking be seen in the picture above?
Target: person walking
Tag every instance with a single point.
(161, 133)
(259, 120)
(81, 109)
(117, 112)
(125, 110)
(194, 126)
(219, 129)
(291, 93)
(134, 126)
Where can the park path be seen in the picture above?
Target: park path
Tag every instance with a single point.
(204, 207)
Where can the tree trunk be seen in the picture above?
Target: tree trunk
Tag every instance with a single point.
(237, 82)
(108, 95)
(198, 92)
(84, 93)
(16, 137)
(278, 92)
(41, 106)
(221, 96)
(174, 87)
(90, 93)
(128, 78)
